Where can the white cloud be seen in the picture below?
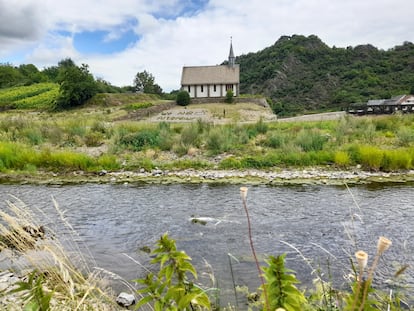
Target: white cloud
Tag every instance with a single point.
(197, 37)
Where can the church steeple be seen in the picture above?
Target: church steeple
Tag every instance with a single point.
(232, 59)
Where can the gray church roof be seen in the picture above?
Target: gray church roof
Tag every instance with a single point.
(223, 74)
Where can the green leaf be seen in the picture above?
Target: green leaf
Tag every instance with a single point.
(144, 301)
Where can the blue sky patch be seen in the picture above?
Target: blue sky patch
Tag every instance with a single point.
(100, 42)
(184, 8)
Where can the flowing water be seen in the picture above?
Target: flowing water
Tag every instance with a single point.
(317, 226)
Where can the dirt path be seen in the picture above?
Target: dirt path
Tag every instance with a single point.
(316, 117)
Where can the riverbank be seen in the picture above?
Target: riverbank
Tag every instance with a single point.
(315, 175)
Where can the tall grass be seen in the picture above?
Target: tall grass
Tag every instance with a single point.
(61, 278)
(257, 145)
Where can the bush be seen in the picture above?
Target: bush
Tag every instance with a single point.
(183, 98)
(108, 162)
(275, 140)
(405, 136)
(311, 140)
(230, 163)
(190, 135)
(342, 159)
(229, 96)
(394, 160)
(139, 140)
(371, 157)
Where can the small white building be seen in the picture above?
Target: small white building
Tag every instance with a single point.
(212, 81)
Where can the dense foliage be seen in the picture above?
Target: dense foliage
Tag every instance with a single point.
(77, 85)
(183, 98)
(302, 74)
(144, 82)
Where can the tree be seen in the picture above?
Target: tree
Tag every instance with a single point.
(31, 74)
(183, 98)
(9, 76)
(77, 85)
(144, 83)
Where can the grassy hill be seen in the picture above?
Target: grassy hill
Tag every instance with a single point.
(35, 96)
(302, 74)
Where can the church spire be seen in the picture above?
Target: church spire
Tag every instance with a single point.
(232, 59)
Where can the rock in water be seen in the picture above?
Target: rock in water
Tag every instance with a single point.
(125, 299)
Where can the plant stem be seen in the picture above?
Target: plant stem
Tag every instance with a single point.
(369, 281)
(267, 306)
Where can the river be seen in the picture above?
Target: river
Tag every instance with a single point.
(321, 224)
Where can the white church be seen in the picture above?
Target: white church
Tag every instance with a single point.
(212, 81)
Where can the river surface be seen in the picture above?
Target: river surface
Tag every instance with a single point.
(319, 227)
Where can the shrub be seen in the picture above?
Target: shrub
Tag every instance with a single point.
(261, 127)
(342, 159)
(396, 160)
(229, 96)
(165, 139)
(137, 106)
(219, 140)
(172, 288)
(141, 139)
(108, 162)
(275, 140)
(371, 157)
(266, 161)
(93, 139)
(405, 136)
(183, 98)
(230, 163)
(190, 135)
(34, 136)
(70, 161)
(311, 140)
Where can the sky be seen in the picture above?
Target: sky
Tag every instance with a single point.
(119, 38)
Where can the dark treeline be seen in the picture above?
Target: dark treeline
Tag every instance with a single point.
(301, 74)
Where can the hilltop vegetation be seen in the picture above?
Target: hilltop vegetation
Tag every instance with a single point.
(302, 74)
(60, 87)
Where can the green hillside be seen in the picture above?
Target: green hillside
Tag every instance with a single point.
(301, 74)
(35, 96)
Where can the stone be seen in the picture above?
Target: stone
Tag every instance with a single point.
(125, 299)
(103, 172)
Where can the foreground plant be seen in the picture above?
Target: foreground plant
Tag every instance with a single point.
(360, 298)
(55, 281)
(35, 297)
(172, 289)
(280, 286)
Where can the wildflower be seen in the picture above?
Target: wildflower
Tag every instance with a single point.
(243, 192)
(383, 245)
(362, 259)
(280, 309)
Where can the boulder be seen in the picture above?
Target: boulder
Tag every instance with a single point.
(125, 299)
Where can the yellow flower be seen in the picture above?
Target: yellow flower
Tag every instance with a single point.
(243, 192)
(362, 259)
(383, 244)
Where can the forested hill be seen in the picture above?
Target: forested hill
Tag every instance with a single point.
(302, 74)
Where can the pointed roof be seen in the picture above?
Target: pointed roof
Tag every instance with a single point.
(231, 54)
